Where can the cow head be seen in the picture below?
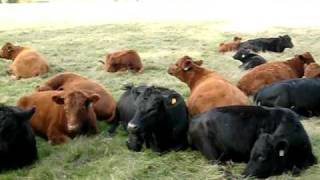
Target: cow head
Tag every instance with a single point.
(113, 64)
(7, 51)
(286, 41)
(236, 38)
(267, 157)
(185, 68)
(243, 54)
(312, 70)
(78, 109)
(12, 119)
(149, 116)
(17, 141)
(306, 58)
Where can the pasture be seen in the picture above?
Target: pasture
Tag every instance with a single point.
(78, 49)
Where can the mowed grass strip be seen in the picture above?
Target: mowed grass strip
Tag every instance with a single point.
(78, 49)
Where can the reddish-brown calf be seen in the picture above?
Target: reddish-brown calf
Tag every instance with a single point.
(208, 89)
(272, 72)
(106, 105)
(230, 45)
(27, 62)
(61, 114)
(122, 61)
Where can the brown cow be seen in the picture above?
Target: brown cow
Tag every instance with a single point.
(208, 89)
(61, 114)
(230, 45)
(272, 72)
(27, 62)
(104, 108)
(312, 70)
(122, 61)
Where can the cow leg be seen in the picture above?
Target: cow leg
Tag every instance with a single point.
(205, 147)
(56, 137)
(112, 129)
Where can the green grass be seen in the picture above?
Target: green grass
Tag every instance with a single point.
(78, 49)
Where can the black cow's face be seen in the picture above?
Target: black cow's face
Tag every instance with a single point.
(242, 53)
(286, 41)
(149, 106)
(13, 123)
(266, 156)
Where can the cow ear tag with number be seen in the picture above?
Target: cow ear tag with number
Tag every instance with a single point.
(173, 101)
(281, 153)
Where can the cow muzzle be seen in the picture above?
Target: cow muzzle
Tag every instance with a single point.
(73, 127)
(132, 127)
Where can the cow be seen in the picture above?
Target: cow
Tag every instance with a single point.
(126, 106)
(61, 114)
(104, 107)
(159, 119)
(208, 88)
(312, 70)
(300, 95)
(27, 62)
(248, 58)
(17, 141)
(238, 133)
(230, 45)
(122, 61)
(278, 44)
(271, 72)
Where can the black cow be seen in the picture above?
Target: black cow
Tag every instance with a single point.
(248, 58)
(126, 106)
(160, 119)
(17, 141)
(268, 44)
(233, 132)
(300, 95)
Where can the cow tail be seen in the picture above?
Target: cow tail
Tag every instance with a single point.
(102, 62)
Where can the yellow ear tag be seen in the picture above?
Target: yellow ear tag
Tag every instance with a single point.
(173, 101)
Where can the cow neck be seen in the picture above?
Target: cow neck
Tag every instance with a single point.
(16, 52)
(198, 76)
(297, 65)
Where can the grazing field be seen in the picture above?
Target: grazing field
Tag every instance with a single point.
(78, 49)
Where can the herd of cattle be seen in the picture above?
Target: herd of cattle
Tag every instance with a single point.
(272, 139)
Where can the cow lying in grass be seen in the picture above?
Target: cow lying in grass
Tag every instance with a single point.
(122, 61)
(17, 141)
(27, 62)
(278, 44)
(104, 107)
(61, 114)
(248, 58)
(301, 95)
(271, 72)
(158, 118)
(271, 140)
(230, 45)
(208, 88)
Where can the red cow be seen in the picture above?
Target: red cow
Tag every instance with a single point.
(61, 114)
(208, 89)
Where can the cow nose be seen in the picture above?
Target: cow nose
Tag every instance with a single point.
(132, 127)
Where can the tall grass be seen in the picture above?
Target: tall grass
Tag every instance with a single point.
(78, 49)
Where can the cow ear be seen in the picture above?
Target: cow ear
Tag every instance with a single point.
(199, 62)
(26, 114)
(58, 99)
(186, 65)
(94, 98)
(282, 147)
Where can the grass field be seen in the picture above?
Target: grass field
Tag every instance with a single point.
(78, 49)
